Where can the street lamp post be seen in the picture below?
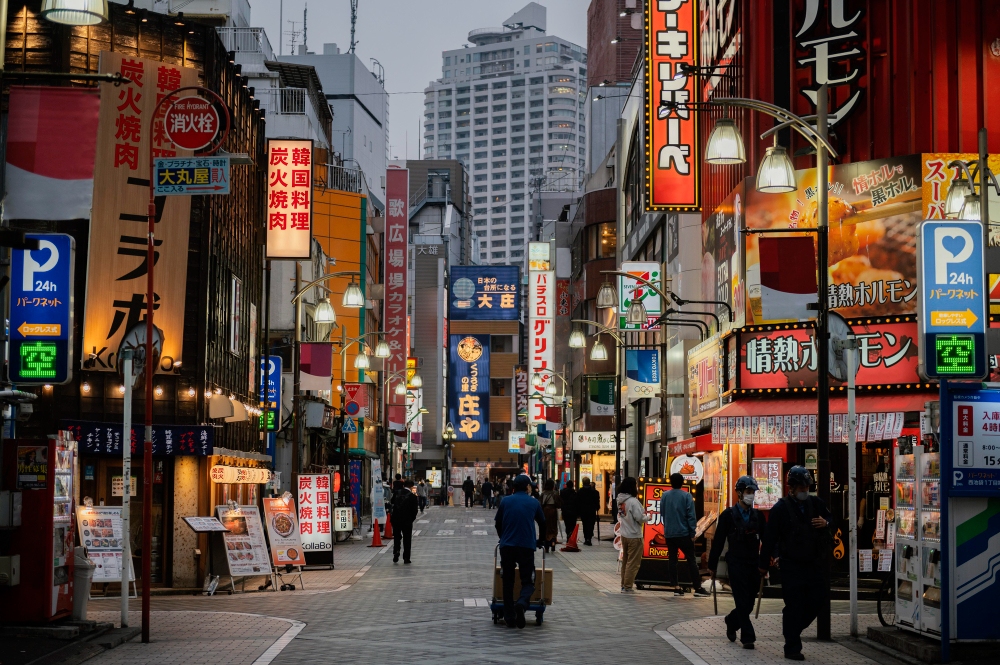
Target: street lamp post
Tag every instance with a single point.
(577, 342)
(537, 380)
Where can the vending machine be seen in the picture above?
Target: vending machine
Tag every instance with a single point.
(43, 471)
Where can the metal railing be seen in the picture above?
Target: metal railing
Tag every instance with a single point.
(251, 45)
(289, 102)
(342, 179)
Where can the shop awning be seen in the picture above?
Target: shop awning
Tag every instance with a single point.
(699, 444)
(805, 405)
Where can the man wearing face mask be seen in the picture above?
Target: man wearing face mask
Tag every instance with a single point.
(740, 526)
(799, 529)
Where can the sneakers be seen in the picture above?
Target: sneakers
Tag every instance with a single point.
(795, 656)
(628, 590)
(519, 620)
(679, 592)
(701, 593)
(749, 645)
(406, 561)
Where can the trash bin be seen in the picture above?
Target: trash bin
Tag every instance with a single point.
(83, 576)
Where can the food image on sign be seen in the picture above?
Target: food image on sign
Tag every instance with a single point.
(246, 549)
(688, 466)
(470, 349)
(286, 543)
(767, 473)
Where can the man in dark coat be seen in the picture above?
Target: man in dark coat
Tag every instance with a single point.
(487, 494)
(404, 511)
(468, 487)
(588, 502)
(570, 507)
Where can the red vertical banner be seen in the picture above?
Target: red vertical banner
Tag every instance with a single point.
(397, 185)
(672, 142)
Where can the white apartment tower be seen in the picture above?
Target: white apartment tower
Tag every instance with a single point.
(510, 105)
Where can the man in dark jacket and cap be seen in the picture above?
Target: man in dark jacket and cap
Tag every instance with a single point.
(588, 501)
(468, 487)
(404, 511)
(515, 522)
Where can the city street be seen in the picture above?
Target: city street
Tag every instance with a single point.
(370, 610)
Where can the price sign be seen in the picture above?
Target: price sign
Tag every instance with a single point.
(974, 441)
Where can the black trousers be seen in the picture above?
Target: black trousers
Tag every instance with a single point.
(422, 502)
(569, 523)
(468, 499)
(685, 545)
(402, 532)
(802, 589)
(512, 558)
(588, 522)
(744, 580)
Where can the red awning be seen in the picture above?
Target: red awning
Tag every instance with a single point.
(699, 444)
(805, 405)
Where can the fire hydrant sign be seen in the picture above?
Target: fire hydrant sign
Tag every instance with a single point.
(186, 176)
(191, 123)
(315, 521)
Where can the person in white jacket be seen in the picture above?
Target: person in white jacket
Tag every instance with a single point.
(631, 517)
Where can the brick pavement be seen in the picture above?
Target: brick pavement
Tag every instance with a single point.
(370, 609)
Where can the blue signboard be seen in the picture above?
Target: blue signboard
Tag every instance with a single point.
(186, 176)
(41, 311)
(952, 311)
(270, 370)
(487, 293)
(469, 386)
(642, 373)
(106, 438)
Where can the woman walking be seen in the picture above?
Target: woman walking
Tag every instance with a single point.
(631, 517)
(550, 508)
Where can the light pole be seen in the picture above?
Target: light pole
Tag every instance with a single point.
(537, 380)
(577, 340)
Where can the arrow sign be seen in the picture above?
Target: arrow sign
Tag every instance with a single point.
(966, 318)
(40, 329)
(349, 427)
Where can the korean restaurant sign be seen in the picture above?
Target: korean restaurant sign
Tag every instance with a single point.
(469, 386)
(397, 192)
(673, 146)
(116, 277)
(485, 293)
(541, 335)
(705, 376)
(314, 502)
(289, 199)
(787, 358)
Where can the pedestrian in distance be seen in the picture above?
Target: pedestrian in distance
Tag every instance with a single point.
(479, 493)
(798, 537)
(468, 487)
(739, 527)
(487, 494)
(515, 523)
(679, 523)
(550, 508)
(422, 495)
(588, 501)
(631, 517)
(570, 508)
(612, 507)
(404, 511)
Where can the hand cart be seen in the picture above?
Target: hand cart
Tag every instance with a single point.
(539, 599)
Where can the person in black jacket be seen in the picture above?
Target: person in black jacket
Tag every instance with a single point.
(798, 537)
(468, 487)
(588, 502)
(404, 511)
(570, 507)
(740, 526)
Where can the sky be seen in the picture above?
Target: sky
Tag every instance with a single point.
(407, 37)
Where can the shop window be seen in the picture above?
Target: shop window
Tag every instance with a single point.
(498, 387)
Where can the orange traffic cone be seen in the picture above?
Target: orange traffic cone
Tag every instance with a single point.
(387, 534)
(571, 541)
(376, 536)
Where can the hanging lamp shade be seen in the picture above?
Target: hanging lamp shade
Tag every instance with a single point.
(353, 297)
(325, 312)
(635, 315)
(971, 211)
(725, 145)
(776, 174)
(607, 296)
(577, 340)
(955, 199)
(598, 351)
(75, 12)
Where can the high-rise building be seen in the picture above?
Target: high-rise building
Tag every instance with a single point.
(510, 104)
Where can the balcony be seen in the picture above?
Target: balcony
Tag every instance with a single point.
(252, 48)
(343, 179)
(290, 112)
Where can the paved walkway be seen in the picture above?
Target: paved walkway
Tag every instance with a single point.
(435, 611)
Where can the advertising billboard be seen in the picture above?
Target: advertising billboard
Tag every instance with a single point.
(705, 379)
(541, 334)
(395, 253)
(485, 293)
(722, 253)
(469, 386)
(289, 199)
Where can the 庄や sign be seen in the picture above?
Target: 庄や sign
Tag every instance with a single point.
(289, 199)
(41, 311)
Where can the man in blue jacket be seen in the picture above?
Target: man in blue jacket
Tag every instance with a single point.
(679, 522)
(515, 524)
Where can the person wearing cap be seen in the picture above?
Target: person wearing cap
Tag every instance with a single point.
(515, 522)
(739, 527)
(798, 537)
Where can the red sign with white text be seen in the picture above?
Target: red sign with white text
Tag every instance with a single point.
(191, 123)
(672, 142)
(397, 187)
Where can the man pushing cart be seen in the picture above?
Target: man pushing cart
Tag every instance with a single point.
(515, 523)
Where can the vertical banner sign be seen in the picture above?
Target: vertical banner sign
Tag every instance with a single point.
(289, 199)
(602, 397)
(469, 386)
(270, 369)
(116, 277)
(41, 311)
(672, 143)
(314, 512)
(630, 290)
(354, 480)
(541, 335)
(397, 184)
(642, 373)
(521, 392)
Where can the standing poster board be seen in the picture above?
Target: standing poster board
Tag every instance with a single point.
(246, 549)
(283, 533)
(315, 517)
(653, 566)
(767, 473)
(100, 530)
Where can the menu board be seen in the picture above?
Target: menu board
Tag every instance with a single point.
(283, 533)
(246, 550)
(101, 533)
(767, 473)
(205, 524)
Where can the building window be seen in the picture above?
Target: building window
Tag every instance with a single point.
(498, 232)
(479, 178)
(480, 166)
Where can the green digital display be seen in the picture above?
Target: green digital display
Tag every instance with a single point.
(956, 354)
(39, 360)
(271, 420)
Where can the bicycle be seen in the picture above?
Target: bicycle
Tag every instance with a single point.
(887, 598)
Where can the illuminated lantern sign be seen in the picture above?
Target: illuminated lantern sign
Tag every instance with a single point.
(289, 199)
(672, 143)
(238, 474)
(41, 311)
